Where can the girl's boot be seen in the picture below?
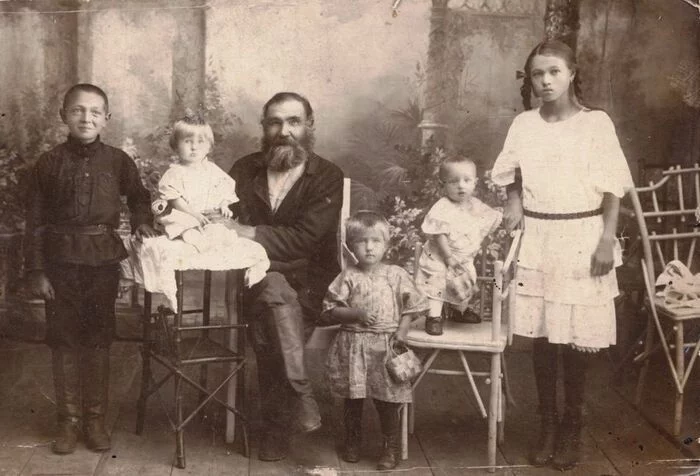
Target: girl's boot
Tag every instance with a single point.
(352, 417)
(389, 419)
(544, 357)
(568, 450)
(66, 377)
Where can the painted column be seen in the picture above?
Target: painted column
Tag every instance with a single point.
(189, 59)
(433, 125)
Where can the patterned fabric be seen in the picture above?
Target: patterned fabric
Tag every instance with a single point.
(465, 229)
(357, 357)
(566, 167)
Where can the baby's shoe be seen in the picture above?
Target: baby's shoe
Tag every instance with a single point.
(433, 325)
(468, 316)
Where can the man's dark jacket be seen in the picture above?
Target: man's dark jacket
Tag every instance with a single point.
(301, 237)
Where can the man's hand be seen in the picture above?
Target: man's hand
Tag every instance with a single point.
(244, 231)
(145, 231)
(40, 286)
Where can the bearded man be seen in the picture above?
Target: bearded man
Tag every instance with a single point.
(290, 201)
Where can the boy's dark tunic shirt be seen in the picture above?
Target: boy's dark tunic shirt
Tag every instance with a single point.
(74, 205)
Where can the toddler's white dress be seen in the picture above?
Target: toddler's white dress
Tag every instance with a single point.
(566, 167)
(465, 228)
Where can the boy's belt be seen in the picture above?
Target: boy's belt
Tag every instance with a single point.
(562, 216)
(80, 229)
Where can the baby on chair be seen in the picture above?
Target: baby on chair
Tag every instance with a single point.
(195, 194)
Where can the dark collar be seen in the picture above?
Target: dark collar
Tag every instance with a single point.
(83, 149)
(311, 163)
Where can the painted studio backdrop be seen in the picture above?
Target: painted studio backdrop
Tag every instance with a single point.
(388, 86)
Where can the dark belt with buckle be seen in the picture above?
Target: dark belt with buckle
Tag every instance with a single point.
(562, 216)
(93, 230)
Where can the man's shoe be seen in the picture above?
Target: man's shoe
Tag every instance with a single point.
(351, 451)
(433, 326)
(308, 416)
(273, 447)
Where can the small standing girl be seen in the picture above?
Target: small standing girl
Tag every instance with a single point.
(456, 225)
(374, 302)
(573, 174)
(197, 190)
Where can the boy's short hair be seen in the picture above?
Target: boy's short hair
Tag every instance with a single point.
(453, 159)
(190, 125)
(364, 220)
(87, 88)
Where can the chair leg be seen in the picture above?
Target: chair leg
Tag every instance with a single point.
(145, 363)
(404, 431)
(680, 369)
(501, 411)
(203, 379)
(648, 345)
(179, 430)
(493, 408)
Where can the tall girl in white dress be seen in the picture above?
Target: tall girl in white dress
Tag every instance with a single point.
(573, 174)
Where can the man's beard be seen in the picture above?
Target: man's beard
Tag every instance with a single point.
(285, 153)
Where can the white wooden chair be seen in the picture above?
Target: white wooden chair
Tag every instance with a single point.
(669, 231)
(488, 337)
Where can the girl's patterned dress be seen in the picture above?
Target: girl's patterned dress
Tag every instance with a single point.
(465, 228)
(357, 357)
(566, 167)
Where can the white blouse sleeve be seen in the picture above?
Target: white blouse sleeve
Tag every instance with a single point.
(608, 167)
(503, 172)
(437, 221)
(170, 185)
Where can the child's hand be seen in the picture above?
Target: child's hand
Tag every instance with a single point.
(39, 285)
(201, 219)
(455, 266)
(513, 214)
(367, 319)
(225, 210)
(602, 260)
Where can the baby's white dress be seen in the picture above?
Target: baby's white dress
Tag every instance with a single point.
(465, 227)
(566, 167)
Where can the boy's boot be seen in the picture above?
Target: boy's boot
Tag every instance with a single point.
(95, 373)
(544, 358)
(568, 449)
(66, 378)
(352, 417)
(289, 323)
(389, 420)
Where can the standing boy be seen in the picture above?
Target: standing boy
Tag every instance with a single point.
(72, 255)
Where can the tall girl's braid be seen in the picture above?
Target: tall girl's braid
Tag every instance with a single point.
(526, 92)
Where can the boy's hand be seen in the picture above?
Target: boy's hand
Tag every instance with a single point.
(145, 231)
(456, 267)
(40, 286)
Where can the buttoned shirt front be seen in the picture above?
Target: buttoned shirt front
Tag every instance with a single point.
(74, 187)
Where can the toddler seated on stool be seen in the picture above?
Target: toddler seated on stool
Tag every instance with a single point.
(195, 195)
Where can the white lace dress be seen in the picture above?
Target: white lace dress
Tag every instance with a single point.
(566, 167)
